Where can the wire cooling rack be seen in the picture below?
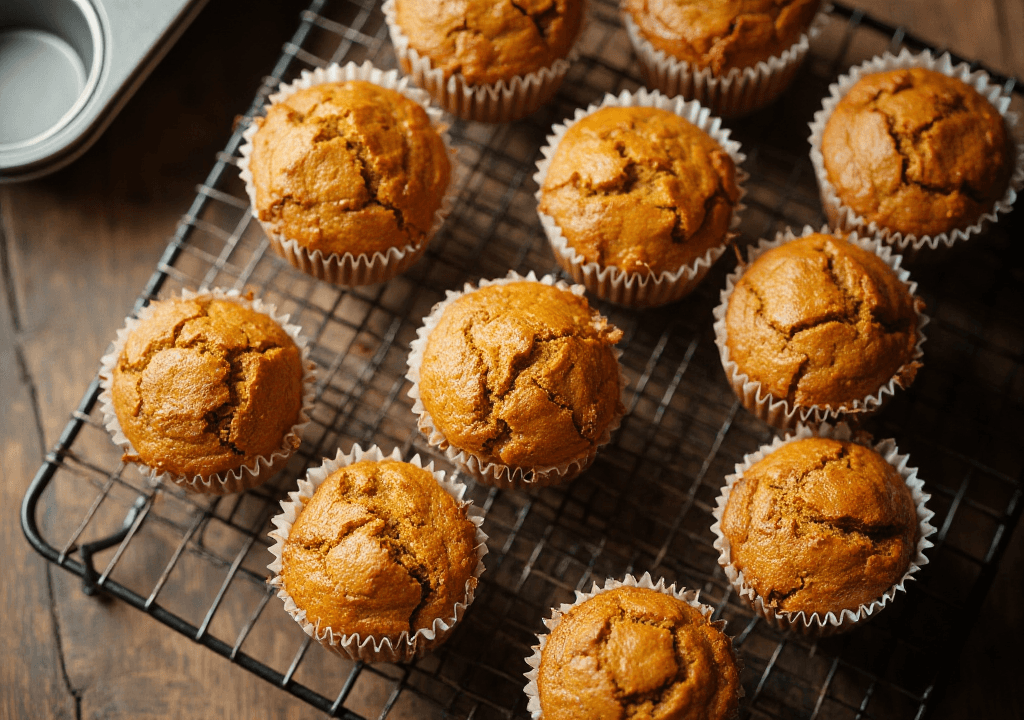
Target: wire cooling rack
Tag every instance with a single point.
(198, 564)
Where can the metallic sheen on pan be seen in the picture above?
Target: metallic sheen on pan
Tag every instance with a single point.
(67, 67)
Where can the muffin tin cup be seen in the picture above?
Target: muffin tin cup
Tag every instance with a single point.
(242, 478)
(481, 469)
(634, 289)
(739, 92)
(371, 648)
(815, 624)
(913, 247)
(779, 412)
(499, 102)
(347, 269)
(690, 597)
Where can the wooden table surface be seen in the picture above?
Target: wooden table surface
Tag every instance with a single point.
(77, 247)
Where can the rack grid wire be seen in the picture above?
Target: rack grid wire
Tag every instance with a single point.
(198, 564)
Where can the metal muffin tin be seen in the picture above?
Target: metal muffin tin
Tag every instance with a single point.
(67, 67)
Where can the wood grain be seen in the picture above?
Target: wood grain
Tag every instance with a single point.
(31, 672)
(80, 245)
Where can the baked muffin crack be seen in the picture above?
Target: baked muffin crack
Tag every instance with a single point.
(541, 20)
(641, 189)
(916, 151)
(820, 525)
(820, 321)
(206, 385)
(348, 167)
(521, 374)
(635, 654)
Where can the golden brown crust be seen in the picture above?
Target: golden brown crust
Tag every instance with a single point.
(487, 41)
(722, 34)
(917, 152)
(204, 386)
(820, 321)
(641, 189)
(633, 653)
(522, 374)
(380, 549)
(821, 525)
(348, 168)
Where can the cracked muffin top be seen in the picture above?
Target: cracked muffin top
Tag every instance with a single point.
(820, 321)
(487, 41)
(523, 374)
(641, 189)
(637, 653)
(917, 152)
(380, 549)
(821, 525)
(722, 34)
(348, 168)
(206, 385)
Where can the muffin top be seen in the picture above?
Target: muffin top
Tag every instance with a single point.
(206, 385)
(821, 525)
(722, 34)
(917, 152)
(641, 189)
(522, 374)
(820, 321)
(380, 549)
(633, 652)
(348, 168)
(487, 41)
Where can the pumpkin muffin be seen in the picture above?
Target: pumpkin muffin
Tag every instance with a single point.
(486, 60)
(380, 550)
(347, 177)
(522, 375)
(640, 189)
(637, 652)
(487, 41)
(204, 386)
(734, 56)
(821, 526)
(916, 152)
(820, 322)
(722, 34)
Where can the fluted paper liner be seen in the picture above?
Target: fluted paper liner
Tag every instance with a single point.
(739, 91)
(637, 289)
(779, 412)
(832, 623)
(482, 470)
(348, 269)
(911, 246)
(244, 477)
(690, 597)
(504, 101)
(371, 648)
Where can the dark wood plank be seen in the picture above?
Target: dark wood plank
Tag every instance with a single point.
(82, 244)
(985, 30)
(32, 684)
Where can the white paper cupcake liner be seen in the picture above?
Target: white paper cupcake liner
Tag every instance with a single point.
(499, 102)
(779, 412)
(634, 289)
(369, 648)
(246, 476)
(348, 269)
(739, 91)
(482, 470)
(690, 597)
(815, 624)
(909, 245)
